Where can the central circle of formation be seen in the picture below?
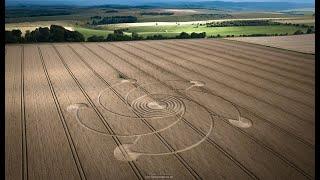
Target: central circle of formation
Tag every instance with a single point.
(158, 105)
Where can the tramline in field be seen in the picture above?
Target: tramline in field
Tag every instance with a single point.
(184, 109)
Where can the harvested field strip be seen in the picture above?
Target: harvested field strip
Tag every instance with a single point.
(70, 91)
(128, 62)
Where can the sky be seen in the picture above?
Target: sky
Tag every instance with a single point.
(99, 2)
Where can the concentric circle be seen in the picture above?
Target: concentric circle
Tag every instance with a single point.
(158, 105)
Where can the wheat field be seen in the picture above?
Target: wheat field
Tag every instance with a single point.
(178, 109)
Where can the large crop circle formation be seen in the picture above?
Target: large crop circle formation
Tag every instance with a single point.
(148, 103)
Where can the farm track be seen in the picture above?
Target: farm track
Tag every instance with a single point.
(23, 122)
(280, 144)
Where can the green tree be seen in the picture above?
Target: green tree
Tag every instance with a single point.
(118, 32)
(135, 36)
(10, 38)
(43, 34)
(57, 33)
(95, 38)
(298, 32)
(73, 36)
(17, 33)
(183, 35)
(309, 31)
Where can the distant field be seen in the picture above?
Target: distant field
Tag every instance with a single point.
(90, 32)
(301, 43)
(33, 25)
(168, 29)
(82, 15)
(223, 31)
(154, 23)
(308, 21)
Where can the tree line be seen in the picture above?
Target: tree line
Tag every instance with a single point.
(118, 35)
(157, 13)
(44, 34)
(59, 34)
(242, 23)
(115, 20)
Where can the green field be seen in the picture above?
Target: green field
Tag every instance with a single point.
(87, 32)
(223, 31)
(90, 32)
(171, 31)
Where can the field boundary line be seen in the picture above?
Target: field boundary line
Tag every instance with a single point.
(231, 76)
(63, 121)
(165, 143)
(101, 117)
(249, 136)
(23, 122)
